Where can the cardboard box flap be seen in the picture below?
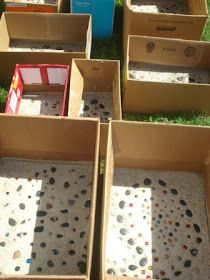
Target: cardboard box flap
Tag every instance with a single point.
(47, 26)
(143, 142)
(21, 134)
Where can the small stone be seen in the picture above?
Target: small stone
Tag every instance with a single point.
(2, 244)
(52, 181)
(188, 213)
(33, 255)
(43, 245)
(16, 255)
(19, 188)
(55, 252)
(41, 213)
(49, 205)
(139, 250)
(39, 229)
(174, 191)
(87, 203)
(22, 206)
(65, 225)
(120, 218)
(82, 234)
(197, 228)
(71, 252)
(162, 183)
(127, 192)
(177, 273)
(66, 185)
(182, 202)
(86, 108)
(12, 222)
(110, 271)
(130, 241)
(17, 268)
(199, 240)
(39, 194)
(71, 202)
(53, 169)
(123, 231)
(50, 263)
(147, 182)
(187, 263)
(122, 204)
(82, 266)
(136, 185)
(94, 101)
(132, 267)
(143, 262)
(64, 211)
(194, 252)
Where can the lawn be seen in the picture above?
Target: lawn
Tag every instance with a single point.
(112, 49)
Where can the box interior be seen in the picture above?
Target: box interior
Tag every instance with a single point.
(48, 195)
(187, 7)
(95, 89)
(168, 60)
(39, 90)
(53, 32)
(146, 167)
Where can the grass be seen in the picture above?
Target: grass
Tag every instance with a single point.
(3, 98)
(175, 118)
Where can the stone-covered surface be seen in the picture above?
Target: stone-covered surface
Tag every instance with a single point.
(160, 6)
(97, 104)
(172, 74)
(44, 216)
(157, 227)
(41, 104)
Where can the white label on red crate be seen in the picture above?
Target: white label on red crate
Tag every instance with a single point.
(13, 101)
(57, 75)
(31, 76)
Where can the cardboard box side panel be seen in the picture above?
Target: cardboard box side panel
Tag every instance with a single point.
(47, 26)
(4, 35)
(169, 51)
(161, 143)
(168, 26)
(108, 177)
(93, 204)
(197, 7)
(207, 185)
(152, 97)
(10, 59)
(98, 74)
(117, 94)
(103, 139)
(126, 27)
(76, 91)
(43, 136)
(89, 39)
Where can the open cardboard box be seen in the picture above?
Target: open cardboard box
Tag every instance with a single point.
(40, 32)
(155, 222)
(95, 92)
(154, 95)
(48, 191)
(39, 90)
(34, 6)
(186, 26)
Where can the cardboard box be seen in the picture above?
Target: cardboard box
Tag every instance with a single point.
(95, 91)
(155, 196)
(39, 89)
(154, 95)
(34, 6)
(185, 26)
(55, 33)
(54, 191)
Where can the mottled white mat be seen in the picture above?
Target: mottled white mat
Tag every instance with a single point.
(44, 216)
(160, 6)
(171, 74)
(97, 104)
(41, 104)
(157, 227)
(36, 46)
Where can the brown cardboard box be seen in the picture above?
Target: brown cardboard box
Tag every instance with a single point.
(156, 96)
(55, 143)
(183, 26)
(20, 6)
(56, 33)
(99, 81)
(155, 170)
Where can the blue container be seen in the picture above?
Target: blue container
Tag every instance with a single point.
(102, 12)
